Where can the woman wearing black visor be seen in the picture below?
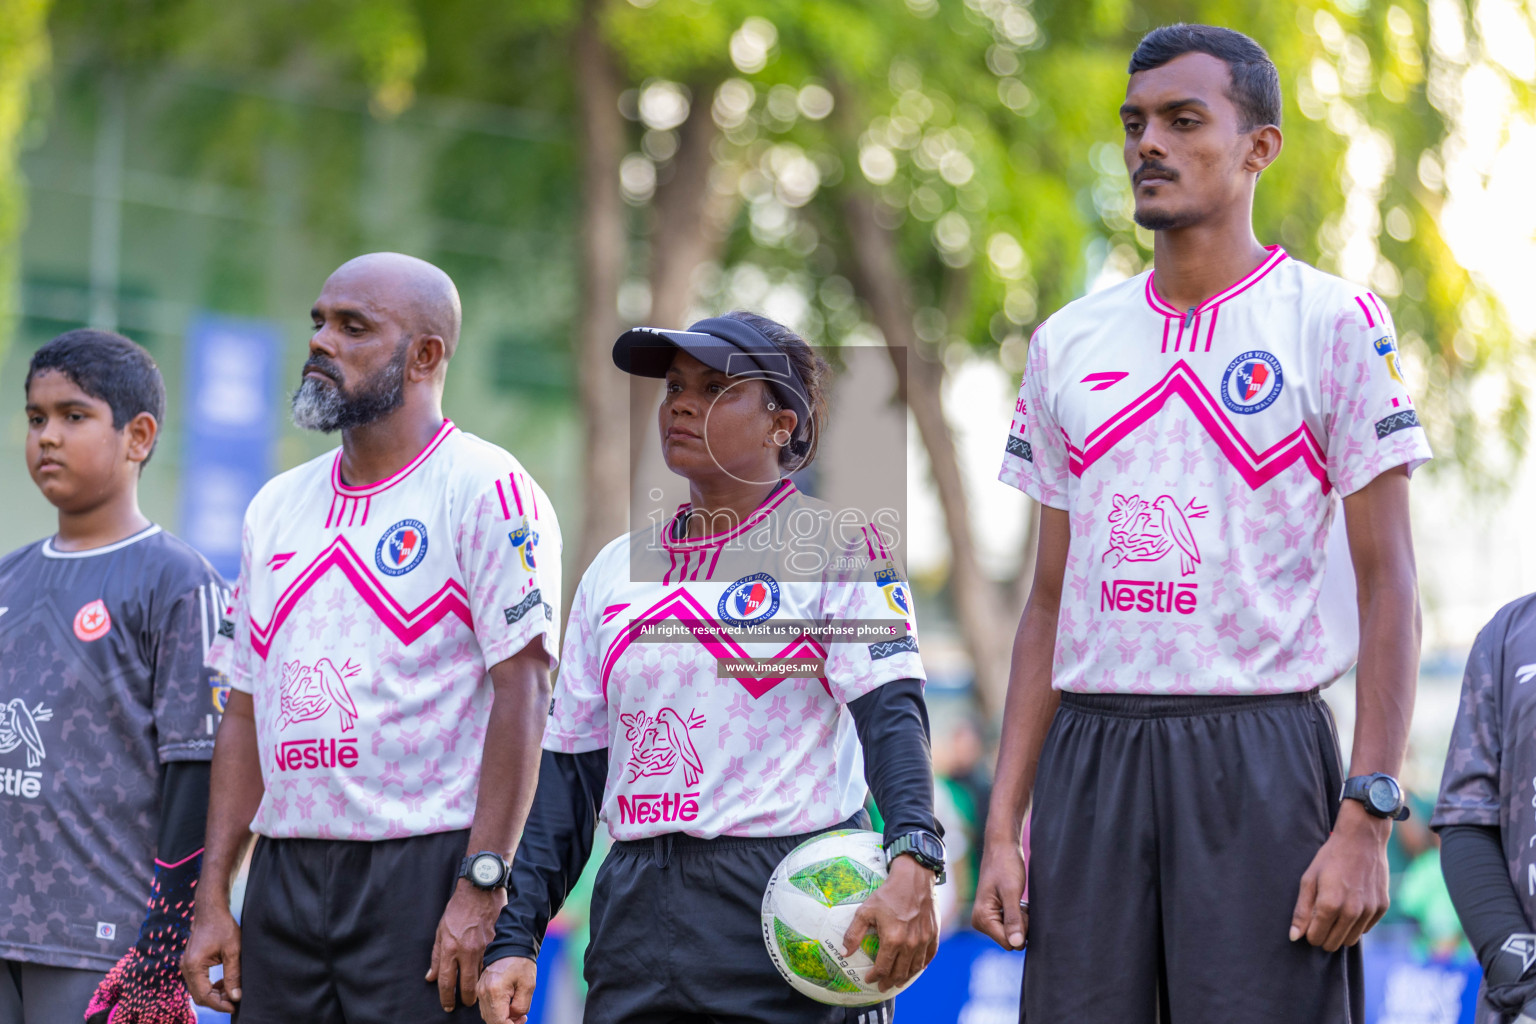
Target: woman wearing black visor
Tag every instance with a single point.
(706, 783)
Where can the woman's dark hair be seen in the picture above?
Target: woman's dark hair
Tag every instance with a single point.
(1255, 85)
(107, 367)
(814, 373)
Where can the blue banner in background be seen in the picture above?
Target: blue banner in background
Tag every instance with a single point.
(227, 451)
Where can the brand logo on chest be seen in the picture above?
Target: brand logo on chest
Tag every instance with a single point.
(750, 599)
(402, 548)
(1251, 383)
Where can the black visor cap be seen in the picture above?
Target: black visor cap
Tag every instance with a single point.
(733, 347)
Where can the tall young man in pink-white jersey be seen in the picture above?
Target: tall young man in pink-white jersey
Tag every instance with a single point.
(388, 653)
(1191, 435)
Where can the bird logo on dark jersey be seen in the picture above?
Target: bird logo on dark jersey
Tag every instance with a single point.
(18, 727)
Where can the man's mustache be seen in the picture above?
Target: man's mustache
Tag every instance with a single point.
(1150, 167)
(324, 365)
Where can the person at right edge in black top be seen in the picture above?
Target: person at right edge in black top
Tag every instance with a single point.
(1486, 814)
(707, 783)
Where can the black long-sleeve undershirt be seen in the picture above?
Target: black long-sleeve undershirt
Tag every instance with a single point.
(553, 852)
(892, 723)
(183, 810)
(1477, 877)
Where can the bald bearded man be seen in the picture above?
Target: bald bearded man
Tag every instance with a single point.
(388, 651)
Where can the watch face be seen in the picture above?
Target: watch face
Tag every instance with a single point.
(485, 871)
(1383, 794)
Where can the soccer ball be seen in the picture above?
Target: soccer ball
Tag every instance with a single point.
(810, 902)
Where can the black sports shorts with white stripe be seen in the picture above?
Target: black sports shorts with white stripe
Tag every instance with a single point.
(1167, 843)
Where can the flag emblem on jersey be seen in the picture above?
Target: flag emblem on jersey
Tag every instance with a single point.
(1252, 382)
(750, 599)
(401, 548)
(1386, 347)
(92, 622)
(895, 591)
(525, 540)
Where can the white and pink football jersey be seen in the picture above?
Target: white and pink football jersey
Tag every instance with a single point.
(1201, 455)
(364, 625)
(696, 745)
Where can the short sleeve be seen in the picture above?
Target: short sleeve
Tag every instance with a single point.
(1035, 460)
(578, 715)
(1469, 788)
(1372, 423)
(873, 587)
(510, 553)
(230, 654)
(187, 701)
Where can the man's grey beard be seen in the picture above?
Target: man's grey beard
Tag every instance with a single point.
(321, 405)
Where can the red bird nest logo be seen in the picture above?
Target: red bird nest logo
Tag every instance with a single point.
(657, 743)
(1145, 531)
(307, 693)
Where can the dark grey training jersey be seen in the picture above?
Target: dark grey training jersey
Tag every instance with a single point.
(102, 680)
(1490, 771)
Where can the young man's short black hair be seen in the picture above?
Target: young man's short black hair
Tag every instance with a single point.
(108, 367)
(1255, 82)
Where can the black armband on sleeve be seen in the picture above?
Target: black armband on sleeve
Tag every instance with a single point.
(556, 843)
(892, 722)
(1477, 877)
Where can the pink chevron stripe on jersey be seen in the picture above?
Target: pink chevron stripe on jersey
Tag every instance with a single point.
(407, 625)
(1257, 468)
(709, 632)
(368, 490)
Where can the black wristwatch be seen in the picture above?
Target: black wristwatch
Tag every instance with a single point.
(924, 847)
(1380, 793)
(486, 870)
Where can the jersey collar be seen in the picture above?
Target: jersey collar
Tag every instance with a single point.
(1277, 255)
(49, 551)
(369, 490)
(775, 498)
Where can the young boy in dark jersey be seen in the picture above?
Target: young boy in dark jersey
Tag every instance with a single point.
(107, 713)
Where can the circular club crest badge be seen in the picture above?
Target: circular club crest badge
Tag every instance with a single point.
(750, 599)
(92, 621)
(1252, 383)
(402, 548)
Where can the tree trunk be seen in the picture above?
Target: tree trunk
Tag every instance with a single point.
(978, 602)
(602, 250)
(688, 227)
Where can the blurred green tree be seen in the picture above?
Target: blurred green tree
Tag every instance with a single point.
(23, 54)
(946, 171)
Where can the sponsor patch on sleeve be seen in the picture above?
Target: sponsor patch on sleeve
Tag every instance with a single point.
(1020, 447)
(1402, 420)
(891, 648)
(526, 605)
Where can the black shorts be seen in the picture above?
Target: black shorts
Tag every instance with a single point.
(336, 930)
(677, 937)
(1167, 843)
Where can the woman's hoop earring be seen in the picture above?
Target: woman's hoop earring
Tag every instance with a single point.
(781, 437)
